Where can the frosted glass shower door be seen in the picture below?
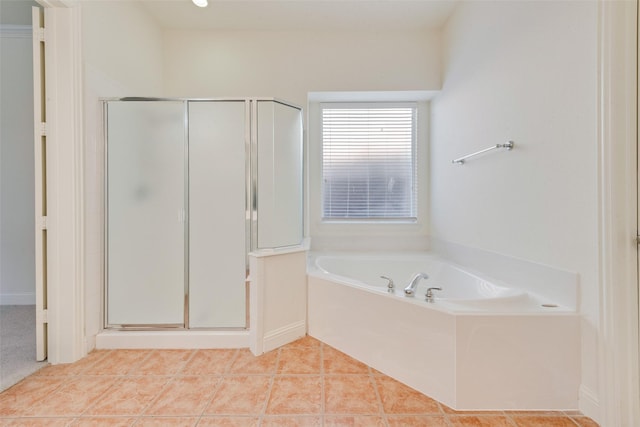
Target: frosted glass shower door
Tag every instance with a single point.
(279, 175)
(217, 214)
(145, 213)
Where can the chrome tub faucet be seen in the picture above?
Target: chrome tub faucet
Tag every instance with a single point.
(390, 285)
(410, 290)
(429, 295)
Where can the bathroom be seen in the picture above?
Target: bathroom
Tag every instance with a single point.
(485, 73)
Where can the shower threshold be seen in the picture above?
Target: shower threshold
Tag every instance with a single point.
(172, 339)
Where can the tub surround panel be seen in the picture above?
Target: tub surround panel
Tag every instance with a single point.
(397, 339)
(519, 362)
(509, 354)
(557, 285)
(277, 299)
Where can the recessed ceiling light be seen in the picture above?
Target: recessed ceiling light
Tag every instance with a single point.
(200, 3)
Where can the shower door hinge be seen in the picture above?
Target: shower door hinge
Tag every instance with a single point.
(43, 129)
(40, 34)
(42, 316)
(43, 222)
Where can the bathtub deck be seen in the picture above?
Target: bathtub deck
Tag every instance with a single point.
(303, 383)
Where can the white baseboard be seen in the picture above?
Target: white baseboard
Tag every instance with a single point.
(171, 339)
(588, 403)
(284, 335)
(23, 298)
(89, 344)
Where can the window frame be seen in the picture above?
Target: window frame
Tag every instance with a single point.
(415, 190)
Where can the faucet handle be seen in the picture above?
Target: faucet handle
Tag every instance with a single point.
(429, 294)
(390, 285)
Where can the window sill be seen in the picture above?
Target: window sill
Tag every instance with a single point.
(371, 221)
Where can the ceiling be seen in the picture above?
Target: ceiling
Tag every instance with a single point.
(356, 15)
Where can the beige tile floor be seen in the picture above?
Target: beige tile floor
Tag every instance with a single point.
(305, 383)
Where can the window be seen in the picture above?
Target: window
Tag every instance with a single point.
(369, 161)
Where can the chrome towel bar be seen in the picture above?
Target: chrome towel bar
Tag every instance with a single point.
(461, 160)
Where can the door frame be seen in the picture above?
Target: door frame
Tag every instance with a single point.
(39, 187)
(618, 400)
(65, 256)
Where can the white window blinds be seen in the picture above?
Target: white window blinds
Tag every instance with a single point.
(368, 161)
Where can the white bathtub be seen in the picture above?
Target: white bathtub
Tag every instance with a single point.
(480, 345)
(461, 290)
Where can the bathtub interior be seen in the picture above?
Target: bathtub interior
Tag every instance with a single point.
(455, 282)
(368, 269)
(462, 290)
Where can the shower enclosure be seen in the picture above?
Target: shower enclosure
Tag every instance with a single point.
(192, 186)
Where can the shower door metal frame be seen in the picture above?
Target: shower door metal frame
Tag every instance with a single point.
(185, 210)
(251, 203)
(248, 197)
(253, 241)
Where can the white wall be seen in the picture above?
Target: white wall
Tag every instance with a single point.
(525, 71)
(289, 64)
(17, 250)
(122, 56)
(123, 44)
(16, 12)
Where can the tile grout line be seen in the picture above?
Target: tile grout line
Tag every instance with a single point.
(179, 374)
(117, 381)
(95, 362)
(226, 372)
(445, 416)
(129, 375)
(186, 362)
(272, 379)
(322, 385)
(510, 419)
(571, 417)
(204, 407)
(141, 362)
(381, 410)
(172, 379)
